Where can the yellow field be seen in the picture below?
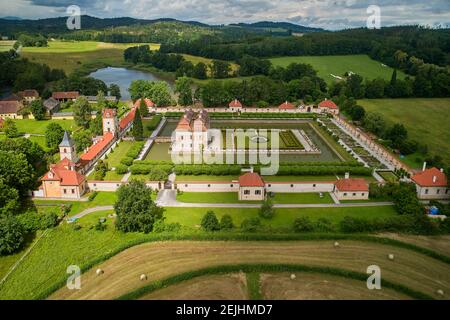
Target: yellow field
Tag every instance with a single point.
(160, 260)
(6, 45)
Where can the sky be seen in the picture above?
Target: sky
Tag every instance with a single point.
(328, 14)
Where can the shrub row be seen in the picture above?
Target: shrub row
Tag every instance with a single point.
(132, 154)
(322, 170)
(217, 170)
(153, 124)
(146, 169)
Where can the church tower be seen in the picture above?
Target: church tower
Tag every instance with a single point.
(110, 121)
(67, 148)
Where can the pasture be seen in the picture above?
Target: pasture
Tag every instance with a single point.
(327, 66)
(71, 55)
(425, 119)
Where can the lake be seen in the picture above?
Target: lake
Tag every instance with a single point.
(123, 78)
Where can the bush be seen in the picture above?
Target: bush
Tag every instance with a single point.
(121, 169)
(11, 235)
(250, 224)
(128, 161)
(30, 221)
(323, 225)
(92, 195)
(161, 226)
(303, 224)
(48, 220)
(267, 211)
(352, 225)
(226, 222)
(134, 151)
(99, 226)
(210, 222)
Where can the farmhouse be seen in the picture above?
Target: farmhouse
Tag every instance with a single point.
(66, 96)
(29, 95)
(328, 106)
(191, 133)
(251, 187)
(431, 184)
(10, 109)
(235, 105)
(351, 189)
(150, 104)
(286, 106)
(52, 105)
(94, 99)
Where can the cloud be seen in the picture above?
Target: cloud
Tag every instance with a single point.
(330, 14)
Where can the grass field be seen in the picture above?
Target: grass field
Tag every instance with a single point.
(163, 259)
(38, 127)
(339, 65)
(71, 55)
(119, 153)
(425, 119)
(6, 45)
(197, 59)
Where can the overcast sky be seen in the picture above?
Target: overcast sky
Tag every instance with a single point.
(329, 14)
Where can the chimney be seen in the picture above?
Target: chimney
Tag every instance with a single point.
(424, 166)
(347, 175)
(442, 170)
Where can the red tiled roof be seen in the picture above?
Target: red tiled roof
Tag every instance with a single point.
(328, 104)
(251, 179)
(62, 173)
(127, 119)
(29, 93)
(286, 106)
(352, 184)
(148, 102)
(235, 104)
(9, 107)
(65, 95)
(98, 147)
(109, 113)
(425, 178)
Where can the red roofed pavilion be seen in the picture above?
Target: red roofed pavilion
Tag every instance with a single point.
(286, 106)
(351, 189)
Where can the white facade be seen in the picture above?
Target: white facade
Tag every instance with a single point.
(351, 195)
(252, 193)
(429, 193)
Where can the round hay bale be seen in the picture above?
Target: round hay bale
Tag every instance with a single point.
(143, 277)
(440, 292)
(336, 244)
(293, 277)
(99, 272)
(391, 256)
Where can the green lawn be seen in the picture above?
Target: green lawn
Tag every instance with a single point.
(389, 176)
(425, 119)
(102, 199)
(339, 65)
(302, 198)
(71, 55)
(38, 127)
(119, 153)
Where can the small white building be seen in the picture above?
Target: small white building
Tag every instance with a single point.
(431, 184)
(110, 121)
(351, 189)
(251, 187)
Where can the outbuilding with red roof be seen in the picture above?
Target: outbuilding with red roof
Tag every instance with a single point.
(251, 187)
(286, 106)
(328, 106)
(431, 184)
(351, 189)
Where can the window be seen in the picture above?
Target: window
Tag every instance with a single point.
(65, 150)
(363, 194)
(209, 186)
(446, 191)
(426, 191)
(258, 192)
(65, 191)
(292, 185)
(354, 194)
(231, 185)
(73, 191)
(270, 185)
(314, 185)
(247, 192)
(186, 185)
(438, 191)
(345, 194)
(95, 184)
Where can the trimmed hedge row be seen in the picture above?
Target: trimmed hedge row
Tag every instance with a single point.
(322, 170)
(216, 170)
(146, 169)
(268, 268)
(283, 163)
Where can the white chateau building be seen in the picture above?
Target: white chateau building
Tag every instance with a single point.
(191, 134)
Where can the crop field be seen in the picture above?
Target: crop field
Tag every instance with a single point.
(425, 119)
(327, 66)
(71, 55)
(121, 272)
(6, 45)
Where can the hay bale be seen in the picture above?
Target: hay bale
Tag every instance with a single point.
(336, 244)
(440, 292)
(293, 277)
(99, 272)
(391, 256)
(143, 277)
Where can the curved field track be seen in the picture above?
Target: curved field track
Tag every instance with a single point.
(159, 260)
(313, 286)
(212, 287)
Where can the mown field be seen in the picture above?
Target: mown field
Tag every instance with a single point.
(160, 260)
(425, 119)
(339, 65)
(6, 45)
(39, 127)
(71, 55)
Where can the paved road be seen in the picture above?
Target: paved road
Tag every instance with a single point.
(167, 198)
